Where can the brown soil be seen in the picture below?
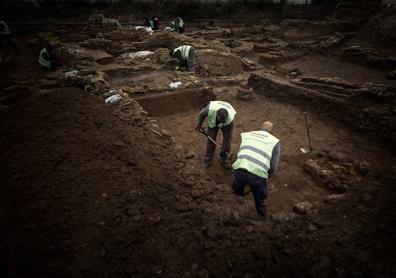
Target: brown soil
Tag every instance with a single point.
(90, 190)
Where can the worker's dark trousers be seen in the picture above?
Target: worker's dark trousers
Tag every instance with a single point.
(225, 148)
(191, 60)
(258, 186)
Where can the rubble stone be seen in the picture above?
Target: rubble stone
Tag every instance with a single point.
(302, 207)
(335, 198)
(98, 21)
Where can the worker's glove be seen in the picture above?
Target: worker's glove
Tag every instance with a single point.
(177, 68)
(198, 127)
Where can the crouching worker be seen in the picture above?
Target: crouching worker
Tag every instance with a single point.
(186, 56)
(178, 25)
(47, 58)
(220, 115)
(257, 160)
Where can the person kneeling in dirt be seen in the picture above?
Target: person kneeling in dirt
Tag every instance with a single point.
(257, 160)
(47, 58)
(5, 35)
(186, 56)
(178, 25)
(220, 115)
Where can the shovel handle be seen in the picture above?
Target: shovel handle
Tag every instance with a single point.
(202, 131)
(308, 133)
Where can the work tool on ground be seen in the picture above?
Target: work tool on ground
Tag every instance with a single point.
(306, 150)
(230, 156)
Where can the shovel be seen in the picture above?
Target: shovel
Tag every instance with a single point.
(307, 150)
(202, 131)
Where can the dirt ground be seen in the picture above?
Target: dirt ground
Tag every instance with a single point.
(97, 190)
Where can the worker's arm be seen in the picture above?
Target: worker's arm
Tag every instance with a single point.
(202, 115)
(179, 57)
(274, 159)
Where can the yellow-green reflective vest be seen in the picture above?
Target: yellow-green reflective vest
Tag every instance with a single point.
(44, 62)
(255, 152)
(181, 23)
(184, 50)
(6, 30)
(214, 106)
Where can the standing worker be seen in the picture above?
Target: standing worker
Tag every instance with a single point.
(5, 35)
(186, 56)
(220, 115)
(257, 160)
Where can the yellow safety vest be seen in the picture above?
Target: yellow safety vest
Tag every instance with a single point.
(181, 23)
(255, 152)
(214, 106)
(6, 30)
(44, 62)
(184, 50)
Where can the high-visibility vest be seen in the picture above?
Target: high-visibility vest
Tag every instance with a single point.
(214, 106)
(44, 62)
(151, 22)
(6, 30)
(255, 152)
(181, 23)
(184, 50)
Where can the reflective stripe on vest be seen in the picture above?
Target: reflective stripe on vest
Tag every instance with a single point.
(214, 106)
(255, 152)
(6, 30)
(181, 23)
(44, 62)
(184, 50)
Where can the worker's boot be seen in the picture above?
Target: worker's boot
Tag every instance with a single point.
(225, 164)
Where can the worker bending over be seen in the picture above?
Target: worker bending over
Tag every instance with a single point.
(257, 160)
(220, 115)
(5, 35)
(47, 58)
(186, 56)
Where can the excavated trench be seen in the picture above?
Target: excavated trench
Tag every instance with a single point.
(177, 113)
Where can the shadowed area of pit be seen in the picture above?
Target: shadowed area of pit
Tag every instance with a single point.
(176, 102)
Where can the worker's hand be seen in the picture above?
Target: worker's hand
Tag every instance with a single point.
(198, 127)
(177, 68)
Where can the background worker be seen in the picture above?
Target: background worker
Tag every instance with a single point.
(5, 35)
(186, 56)
(156, 23)
(257, 160)
(47, 58)
(176, 25)
(149, 23)
(220, 115)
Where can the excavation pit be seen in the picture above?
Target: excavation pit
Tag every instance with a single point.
(178, 112)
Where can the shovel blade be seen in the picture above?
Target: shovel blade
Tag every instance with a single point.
(305, 150)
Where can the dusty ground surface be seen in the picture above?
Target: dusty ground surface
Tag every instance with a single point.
(120, 191)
